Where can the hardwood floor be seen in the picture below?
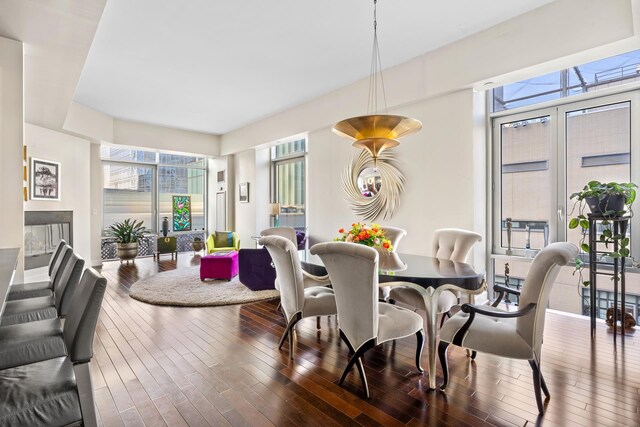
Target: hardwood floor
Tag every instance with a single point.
(175, 366)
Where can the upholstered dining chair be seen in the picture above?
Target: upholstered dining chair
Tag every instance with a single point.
(297, 301)
(47, 307)
(44, 288)
(364, 321)
(44, 367)
(394, 234)
(513, 334)
(286, 232)
(289, 233)
(450, 244)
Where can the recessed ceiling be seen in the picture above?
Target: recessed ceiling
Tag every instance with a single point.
(214, 66)
(57, 36)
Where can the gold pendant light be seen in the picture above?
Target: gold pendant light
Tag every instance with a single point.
(376, 132)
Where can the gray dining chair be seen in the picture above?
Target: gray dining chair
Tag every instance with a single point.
(364, 321)
(44, 370)
(43, 288)
(450, 244)
(47, 307)
(297, 301)
(513, 334)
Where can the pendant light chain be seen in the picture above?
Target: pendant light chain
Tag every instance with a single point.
(376, 68)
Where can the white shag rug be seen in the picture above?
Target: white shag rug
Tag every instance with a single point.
(183, 287)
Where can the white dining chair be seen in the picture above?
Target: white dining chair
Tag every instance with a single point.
(364, 321)
(394, 234)
(297, 302)
(286, 232)
(450, 244)
(513, 334)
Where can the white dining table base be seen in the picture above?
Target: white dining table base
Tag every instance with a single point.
(430, 296)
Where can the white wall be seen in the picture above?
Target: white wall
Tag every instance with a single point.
(11, 141)
(73, 154)
(438, 164)
(244, 165)
(163, 138)
(445, 164)
(95, 198)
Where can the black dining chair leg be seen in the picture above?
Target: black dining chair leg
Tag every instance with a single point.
(442, 354)
(537, 384)
(445, 315)
(289, 332)
(419, 347)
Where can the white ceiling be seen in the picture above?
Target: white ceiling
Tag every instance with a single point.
(57, 36)
(214, 66)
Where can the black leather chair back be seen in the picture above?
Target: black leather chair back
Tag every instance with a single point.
(55, 255)
(80, 325)
(65, 286)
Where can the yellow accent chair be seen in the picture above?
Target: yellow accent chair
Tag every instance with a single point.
(220, 241)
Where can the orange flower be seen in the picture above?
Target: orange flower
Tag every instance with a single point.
(375, 230)
(341, 231)
(386, 245)
(353, 225)
(355, 239)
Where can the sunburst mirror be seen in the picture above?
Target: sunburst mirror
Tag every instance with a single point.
(373, 188)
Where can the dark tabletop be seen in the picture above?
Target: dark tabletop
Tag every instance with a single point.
(422, 270)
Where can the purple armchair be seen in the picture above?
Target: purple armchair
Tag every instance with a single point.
(301, 237)
(256, 271)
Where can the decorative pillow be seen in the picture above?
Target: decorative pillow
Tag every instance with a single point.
(223, 239)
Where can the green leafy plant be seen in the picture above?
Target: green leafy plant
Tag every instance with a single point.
(603, 199)
(128, 231)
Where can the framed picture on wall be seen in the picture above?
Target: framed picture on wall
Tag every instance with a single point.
(243, 192)
(45, 179)
(181, 213)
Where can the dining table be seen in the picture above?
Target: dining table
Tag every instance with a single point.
(428, 275)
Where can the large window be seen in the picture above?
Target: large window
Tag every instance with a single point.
(289, 182)
(541, 157)
(590, 77)
(141, 184)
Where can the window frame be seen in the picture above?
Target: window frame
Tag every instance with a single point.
(558, 213)
(155, 187)
(290, 158)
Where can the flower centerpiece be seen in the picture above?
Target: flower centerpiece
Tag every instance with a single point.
(369, 235)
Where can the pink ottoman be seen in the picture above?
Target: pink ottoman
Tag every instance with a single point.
(219, 266)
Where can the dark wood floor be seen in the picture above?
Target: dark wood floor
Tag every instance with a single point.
(220, 366)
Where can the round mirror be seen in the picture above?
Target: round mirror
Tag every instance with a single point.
(369, 182)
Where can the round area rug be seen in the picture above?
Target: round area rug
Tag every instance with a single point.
(183, 287)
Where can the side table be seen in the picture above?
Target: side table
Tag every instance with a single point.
(166, 245)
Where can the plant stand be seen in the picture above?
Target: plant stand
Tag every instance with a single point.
(620, 225)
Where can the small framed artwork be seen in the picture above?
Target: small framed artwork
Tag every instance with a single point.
(243, 191)
(45, 179)
(220, 176)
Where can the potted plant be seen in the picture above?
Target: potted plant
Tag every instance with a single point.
(608, 201)
(126, 235)
(197, 245)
